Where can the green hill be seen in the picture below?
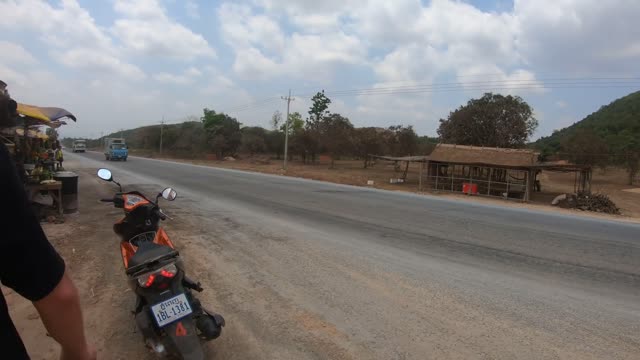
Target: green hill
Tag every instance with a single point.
(615, 124)
(609, 136)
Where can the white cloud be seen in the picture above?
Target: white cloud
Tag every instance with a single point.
(71, 33)
(242, 29)
(579, 36)
(146, 29)
(187, 77)
(192, 9)
(561, 104)
(263, 50)
(64, 26)
(15, 53)
(88, 59)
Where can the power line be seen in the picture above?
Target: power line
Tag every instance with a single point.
(498, 84)
(485, 85)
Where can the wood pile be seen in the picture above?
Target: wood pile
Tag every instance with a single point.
(597, 203)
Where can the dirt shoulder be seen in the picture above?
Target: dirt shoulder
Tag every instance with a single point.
(350, 172)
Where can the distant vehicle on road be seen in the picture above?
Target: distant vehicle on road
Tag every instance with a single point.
(115, 149)
(79, 146)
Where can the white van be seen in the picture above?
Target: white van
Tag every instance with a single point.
(79, 146)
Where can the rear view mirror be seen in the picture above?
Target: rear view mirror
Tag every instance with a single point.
(105, 174)
(169, 194)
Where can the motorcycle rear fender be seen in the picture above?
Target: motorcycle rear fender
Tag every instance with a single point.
(182, 339)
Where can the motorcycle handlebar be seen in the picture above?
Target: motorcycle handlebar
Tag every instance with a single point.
(160, 214)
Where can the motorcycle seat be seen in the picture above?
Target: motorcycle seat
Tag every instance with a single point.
(149, 252)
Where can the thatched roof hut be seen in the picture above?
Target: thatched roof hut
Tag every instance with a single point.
(463, 154)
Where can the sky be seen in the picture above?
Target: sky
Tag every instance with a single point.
(126, 63)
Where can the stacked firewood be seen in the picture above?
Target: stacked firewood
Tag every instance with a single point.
(597, 203)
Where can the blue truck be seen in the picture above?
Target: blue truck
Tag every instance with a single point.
(115, 149)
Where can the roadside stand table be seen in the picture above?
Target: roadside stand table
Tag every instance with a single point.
(54, 189)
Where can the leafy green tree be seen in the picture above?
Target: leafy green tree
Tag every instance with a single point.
(223, 132)
(493, 120)
(318, 110)
(586, 148)
(337, 136)
(295, 123)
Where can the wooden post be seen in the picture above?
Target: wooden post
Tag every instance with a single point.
(420, 176)
(437, 174)
(507, 173)
(489, 186)
(528, 187)
(453, 170)
(470, 179)
(406, 169)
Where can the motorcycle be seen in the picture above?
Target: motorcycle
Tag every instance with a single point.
(171, 319)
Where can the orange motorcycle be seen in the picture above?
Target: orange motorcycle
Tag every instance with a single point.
(171, 319)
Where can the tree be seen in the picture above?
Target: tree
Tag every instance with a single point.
(53, 135)
(276, 120)
(318, 110)
(402, 140)
(223, 132)
(295, 123)
(274, 142)
(369, 141)
(253, 140)
(426, 144)
(584, 147)
(337, 136)
(627, 150)
(493, 120)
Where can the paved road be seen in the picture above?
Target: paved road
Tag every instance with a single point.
(308, 269)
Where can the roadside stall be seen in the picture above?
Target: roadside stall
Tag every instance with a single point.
(34, 153)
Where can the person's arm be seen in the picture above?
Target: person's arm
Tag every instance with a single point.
(61, 315)
(33, 268)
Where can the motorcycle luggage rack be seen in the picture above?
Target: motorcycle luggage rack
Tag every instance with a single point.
(148, 236)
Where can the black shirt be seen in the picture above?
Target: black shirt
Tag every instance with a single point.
(28, 263)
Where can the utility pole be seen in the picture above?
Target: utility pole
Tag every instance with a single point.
(286, 131)
(161, 127)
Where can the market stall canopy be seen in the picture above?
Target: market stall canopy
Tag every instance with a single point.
(46, 114)
(34, 123)
(31, 133)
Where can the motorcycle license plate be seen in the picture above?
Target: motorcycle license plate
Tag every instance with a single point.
(171, 310)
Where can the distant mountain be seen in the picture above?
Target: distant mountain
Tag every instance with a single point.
(615, 126)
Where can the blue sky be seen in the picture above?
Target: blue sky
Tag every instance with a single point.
(127, 63)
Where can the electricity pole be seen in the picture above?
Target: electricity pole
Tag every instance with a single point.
(161, 127)
(286, 131)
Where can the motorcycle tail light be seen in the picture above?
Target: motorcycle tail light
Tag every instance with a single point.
(148, 279)
(169, 271)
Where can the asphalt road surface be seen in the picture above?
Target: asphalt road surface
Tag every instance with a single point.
(307, 269)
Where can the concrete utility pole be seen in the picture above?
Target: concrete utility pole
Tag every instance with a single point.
(161, 129)
(286, 131)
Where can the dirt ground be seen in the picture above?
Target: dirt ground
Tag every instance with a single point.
(612, 182)
(90, 249)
